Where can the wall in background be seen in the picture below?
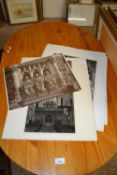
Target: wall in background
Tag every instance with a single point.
(54, 8)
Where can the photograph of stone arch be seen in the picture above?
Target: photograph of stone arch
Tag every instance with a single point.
(54, 115)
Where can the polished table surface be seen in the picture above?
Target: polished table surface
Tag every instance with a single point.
(38, 156)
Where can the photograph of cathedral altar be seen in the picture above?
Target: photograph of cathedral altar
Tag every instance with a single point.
(40, 79)
(54, 115)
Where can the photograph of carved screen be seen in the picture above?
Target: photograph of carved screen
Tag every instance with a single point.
(38, 80)
(54, 115)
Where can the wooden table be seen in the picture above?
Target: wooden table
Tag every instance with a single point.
(38, 156)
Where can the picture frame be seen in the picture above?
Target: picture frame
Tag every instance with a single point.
(81, 14)
(86, 1)
(23, 11)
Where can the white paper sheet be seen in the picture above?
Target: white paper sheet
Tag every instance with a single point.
(85, 127)
(100, 92)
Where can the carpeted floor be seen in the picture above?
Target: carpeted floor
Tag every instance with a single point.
(7, 30)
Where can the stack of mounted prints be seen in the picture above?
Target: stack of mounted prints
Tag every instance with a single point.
(60, 96)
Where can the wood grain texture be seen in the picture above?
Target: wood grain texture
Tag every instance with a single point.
(38, 156)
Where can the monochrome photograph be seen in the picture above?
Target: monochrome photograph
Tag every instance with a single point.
(54, 115)
(40, 79)
(91, 65)
(100, 82)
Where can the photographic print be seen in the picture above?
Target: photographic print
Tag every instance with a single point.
(22, 11)
(99, 103)
(54, 115)
(91, 65)
(38, 80)
(67, 117)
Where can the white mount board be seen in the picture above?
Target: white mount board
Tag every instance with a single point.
(100, 92)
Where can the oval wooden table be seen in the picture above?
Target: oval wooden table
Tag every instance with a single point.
(38, 156)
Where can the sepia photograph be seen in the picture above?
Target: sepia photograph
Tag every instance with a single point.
(38, 80)
(54, 115)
